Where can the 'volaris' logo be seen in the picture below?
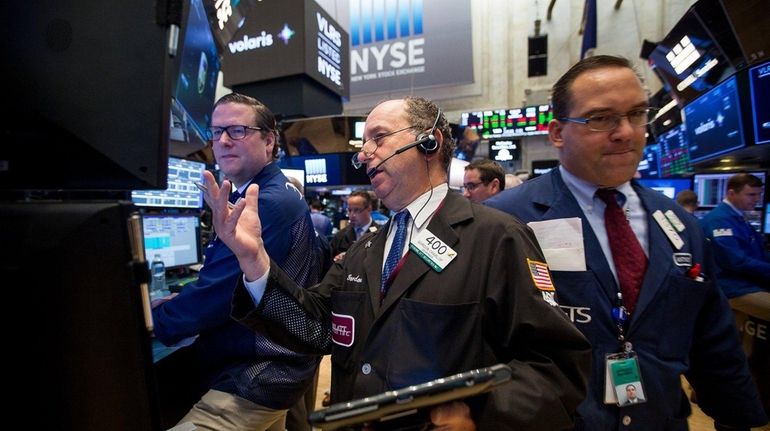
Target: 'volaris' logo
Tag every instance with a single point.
(249, 43)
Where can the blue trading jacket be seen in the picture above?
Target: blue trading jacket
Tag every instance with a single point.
(743, 267)
(681, 325)
(235, 359)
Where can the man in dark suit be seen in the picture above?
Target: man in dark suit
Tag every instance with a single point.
(681, 322)
(447, 286)
(360, 217)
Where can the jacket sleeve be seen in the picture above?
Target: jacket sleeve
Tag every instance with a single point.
(550, 358)
(719, 370)
(731, 255)
(299, 319)
(200, 306)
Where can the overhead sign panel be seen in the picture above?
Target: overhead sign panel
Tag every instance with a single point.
(406, 44)
(275, 41)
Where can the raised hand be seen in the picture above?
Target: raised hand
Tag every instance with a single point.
(238, 226)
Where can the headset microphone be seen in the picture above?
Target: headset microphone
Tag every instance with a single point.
(370, 173)
(425, 142)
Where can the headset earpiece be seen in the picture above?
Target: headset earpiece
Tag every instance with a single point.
(428, 144)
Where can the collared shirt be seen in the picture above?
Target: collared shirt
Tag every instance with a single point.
(362, 230)
(593, 208)
(421, 210)
(737, 211)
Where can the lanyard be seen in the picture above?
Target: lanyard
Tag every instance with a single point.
(620, 317)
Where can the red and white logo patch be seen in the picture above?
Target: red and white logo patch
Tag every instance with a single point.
(343, 329)
(540, 275)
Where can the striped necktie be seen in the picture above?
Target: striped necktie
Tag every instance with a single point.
(396, 249)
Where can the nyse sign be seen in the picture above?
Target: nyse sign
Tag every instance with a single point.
(329, 44)
(404, 44)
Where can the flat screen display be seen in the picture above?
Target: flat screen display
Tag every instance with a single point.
(525, 121)
(760, 102)
(358, 131)
(504, 150)
(689, 59)
(540, 167)
(330, 169)
(299, 174)
(714, 123)
(673, 154)
(711, 188)
(181, 191)
(766, 228)
(197, 81)
(668, 186)
(648, 166)
(176, 238)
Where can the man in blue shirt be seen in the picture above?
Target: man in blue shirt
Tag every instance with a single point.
(252, 380)
(743, 266)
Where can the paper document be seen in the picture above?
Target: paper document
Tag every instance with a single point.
(562, 243)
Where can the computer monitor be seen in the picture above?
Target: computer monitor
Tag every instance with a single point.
(673, 152)
(714, 123)
(648, 166)
(181, 191)
(668, 186)
(358, 132)
(297, 174)
(504, 150)
(766, 228)
(711, 188)
(754, 218)
(698, 53)
(195, 85)
(525, 121)
(759, 77)
(540, 167)
(175, 237)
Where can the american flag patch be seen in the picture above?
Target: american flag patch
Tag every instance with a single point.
(540, 275)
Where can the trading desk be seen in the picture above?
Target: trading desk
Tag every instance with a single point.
(177, 374)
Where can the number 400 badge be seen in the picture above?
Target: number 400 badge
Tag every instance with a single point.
(432, 250)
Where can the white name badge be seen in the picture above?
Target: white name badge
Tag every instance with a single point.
(432, 250)
(672, 217)
(669, 230)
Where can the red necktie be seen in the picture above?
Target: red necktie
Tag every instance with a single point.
(630, 260)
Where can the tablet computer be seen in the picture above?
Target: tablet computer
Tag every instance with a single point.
(405, 401)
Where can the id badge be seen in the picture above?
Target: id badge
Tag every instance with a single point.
(623, 381)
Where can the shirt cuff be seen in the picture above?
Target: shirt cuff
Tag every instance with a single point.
(257, 287)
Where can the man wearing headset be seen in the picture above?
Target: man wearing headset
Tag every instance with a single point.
(485, 298)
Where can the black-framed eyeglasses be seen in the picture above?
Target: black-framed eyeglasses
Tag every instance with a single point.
(234, 131)
(370, 145)
(473, 186)
(606, 122)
